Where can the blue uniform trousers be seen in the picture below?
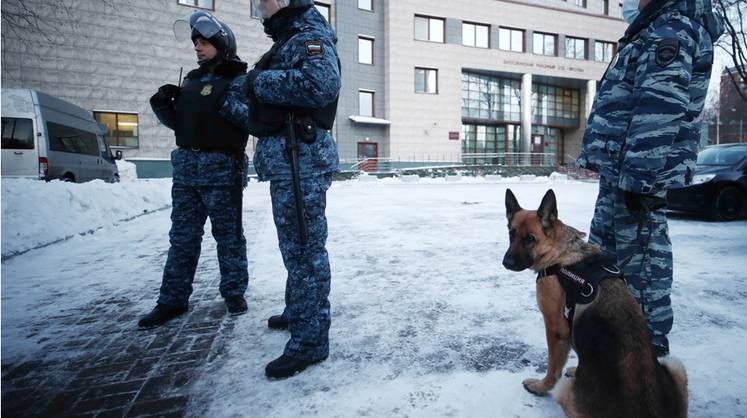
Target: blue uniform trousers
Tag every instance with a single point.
(307, 307)
(643, 250)
(191, 207)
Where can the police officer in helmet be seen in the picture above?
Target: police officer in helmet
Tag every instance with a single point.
(293, 92)
(209, 115)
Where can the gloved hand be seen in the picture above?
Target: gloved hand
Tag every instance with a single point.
(166, 94)
(169, 91)
(248, 87)
(637, 202)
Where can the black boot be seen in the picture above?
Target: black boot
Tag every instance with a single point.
(277, 322)
(236, 305)
(160, 315)
(285, 366)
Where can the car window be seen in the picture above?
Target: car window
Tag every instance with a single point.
(722, 155)
(68, 139)
(18, 133)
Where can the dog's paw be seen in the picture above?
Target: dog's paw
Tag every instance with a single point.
(570, 372)
(535, 387)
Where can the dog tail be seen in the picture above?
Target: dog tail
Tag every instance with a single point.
(677, 370)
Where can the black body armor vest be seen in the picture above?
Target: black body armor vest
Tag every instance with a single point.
(198, 123)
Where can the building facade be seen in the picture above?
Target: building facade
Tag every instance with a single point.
(423, 81)
(732, 117)
(471, 81)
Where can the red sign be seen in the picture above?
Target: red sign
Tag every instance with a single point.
(453, 136)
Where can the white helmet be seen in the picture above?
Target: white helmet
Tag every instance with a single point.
(267, 8)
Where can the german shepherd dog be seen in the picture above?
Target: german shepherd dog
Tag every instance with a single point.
(618, 374)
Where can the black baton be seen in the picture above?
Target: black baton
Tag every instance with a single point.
(292, 148)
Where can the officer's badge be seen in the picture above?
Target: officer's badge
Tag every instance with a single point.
(667, 51)
(207, 90)
(314, 48)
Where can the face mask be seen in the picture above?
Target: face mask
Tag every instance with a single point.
(630, 10)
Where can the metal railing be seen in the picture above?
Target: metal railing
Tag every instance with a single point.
(514, 159)
(574, 172)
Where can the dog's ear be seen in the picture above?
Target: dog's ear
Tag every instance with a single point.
(548, 210)
(512, 205)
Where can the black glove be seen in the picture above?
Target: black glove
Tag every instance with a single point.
(248, 87)
(637, 202)
(169, 91)
(165, 95)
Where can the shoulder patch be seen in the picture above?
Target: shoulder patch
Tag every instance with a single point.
(667, 51)
(314, 48)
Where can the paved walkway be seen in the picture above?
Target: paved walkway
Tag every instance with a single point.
(71, 346)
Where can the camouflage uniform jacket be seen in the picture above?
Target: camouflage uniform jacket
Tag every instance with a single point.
(303, 73)
(642, 129)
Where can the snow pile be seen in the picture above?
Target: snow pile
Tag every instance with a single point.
(36, 213)
(127, 170)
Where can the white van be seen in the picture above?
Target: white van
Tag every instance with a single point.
(48, 138)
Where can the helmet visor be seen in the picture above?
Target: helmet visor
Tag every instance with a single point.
(201, 22)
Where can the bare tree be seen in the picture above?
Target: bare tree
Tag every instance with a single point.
(47, 18)
(734, 13)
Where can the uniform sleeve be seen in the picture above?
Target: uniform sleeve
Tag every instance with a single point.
(312, 82)
(660, 102)
(235, 108)
(164, 112)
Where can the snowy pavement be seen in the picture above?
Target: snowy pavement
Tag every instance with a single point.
(426, 322)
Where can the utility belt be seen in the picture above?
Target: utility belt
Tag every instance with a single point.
(237, 153)
(232, 152)
(269, 120)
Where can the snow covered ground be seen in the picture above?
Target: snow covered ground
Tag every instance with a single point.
(426, 321)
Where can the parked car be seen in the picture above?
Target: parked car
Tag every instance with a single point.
(48, 138)
(719, 186)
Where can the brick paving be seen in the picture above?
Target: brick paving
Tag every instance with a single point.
(105, 366)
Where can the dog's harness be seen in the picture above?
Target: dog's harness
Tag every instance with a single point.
(581, 280)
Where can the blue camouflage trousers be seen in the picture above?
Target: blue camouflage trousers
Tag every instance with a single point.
(307, 286)
(191, 207)
(644, 253)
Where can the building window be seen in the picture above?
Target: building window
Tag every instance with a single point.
(511, 39)
(490, 98)
(365, 4)
(474, 34)
(606, 7)
(544, 44)
(603, 51)
(581, 3)
(121, 128)
(18, 133)
(426, 80)
(429, 29)
(323, 10)
(202, 4)
(575, 48)
(366, 103)
(483, 144)
(550, 103)
(365, 50)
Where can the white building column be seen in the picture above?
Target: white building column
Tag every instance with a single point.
(591, 93)
(526, 116)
